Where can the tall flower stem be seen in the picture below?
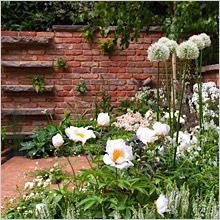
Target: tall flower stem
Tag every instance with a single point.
(158, 97)
(74, 174)
(180, 111)
(200, 93)
(168, 99)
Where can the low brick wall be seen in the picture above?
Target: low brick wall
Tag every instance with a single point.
(25, 54)
(211, 73)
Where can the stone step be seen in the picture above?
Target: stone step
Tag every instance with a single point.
(26, 111)
(6, 151)
(25, 40)
(24, 135)
(24, 88)
(32, 64)
(3, 159)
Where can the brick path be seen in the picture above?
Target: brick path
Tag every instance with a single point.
(15, 172)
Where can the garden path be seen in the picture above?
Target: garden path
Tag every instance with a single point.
(16, 171)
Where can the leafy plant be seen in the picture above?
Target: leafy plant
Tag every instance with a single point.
(81, 88)
(88, 34)
(61, 63)
(107, 47)
(38, 83)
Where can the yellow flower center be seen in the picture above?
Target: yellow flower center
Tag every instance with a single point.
(80, 135)
(117, 154)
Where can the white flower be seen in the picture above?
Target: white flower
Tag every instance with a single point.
(118, 154)
(198, 40)
(162, 205)
(161, 129)
(171, 44)
(57, 140)
(79, 134)
(206, 39)
(103, 119)
(29, 185)
(158, 52)
(146, 135)
(41, 210)
(187, 50)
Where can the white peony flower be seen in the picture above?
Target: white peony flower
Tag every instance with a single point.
(79, 134)
(187, 50)
(206, 39)
(158, 52)
(198, 40)
(162, 205)
(161, 129)
(57, 140)
(146, 135)
(103, 119)
(118, 154)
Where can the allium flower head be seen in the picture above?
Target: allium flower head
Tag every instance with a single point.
(187, 50)
(171, 44)
(79, 134)
(118, 154)
(198, 40)
(158, 52)
(206, 39)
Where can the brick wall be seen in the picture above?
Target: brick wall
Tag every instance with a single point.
(26, 54)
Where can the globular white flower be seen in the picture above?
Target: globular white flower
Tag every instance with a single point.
(118, 154)
(162, 205)
(206, 39)
(161, 129)
(158, 52)
(28, 185)
(103, 119)
(79, 134)
(198, 40)
(187, 50)
(146, 135)
(57, 140)
(171, 44)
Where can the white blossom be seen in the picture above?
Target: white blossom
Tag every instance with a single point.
(198, 40)
(206, 39)
(187, 50)
(146, 135)
(158, 52)
(57, 140)
(162, 205)
(103, 119)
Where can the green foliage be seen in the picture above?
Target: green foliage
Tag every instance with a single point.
(38, 83)
(107, 47)
(61, 63)
(88, 34)
(81, 88)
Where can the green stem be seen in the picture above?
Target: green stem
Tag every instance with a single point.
(74, 174)
(168, 99)
(173, 100)
(200, 93)
(158, 70)
(180, 111)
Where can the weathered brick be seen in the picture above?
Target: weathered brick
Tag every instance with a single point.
(72, 40)
(81, 70)
(58, 40)
(108, 76)
(82, 46)
(124, 76)
(116, 70)
(117, 82)
(73, 52)
(89, 64)
(24, 33)
(63, 93)
(55, 52)
(83, 58)
(73, 64)
(134, 70)
(126, 53)
(99, 70)
(135, 58)
(45, 34)
(9, 33)
(90, 76)
(38, 52)
(91, 52)
(63, 34)
(64, 46)
(11, 57)
(71, 76)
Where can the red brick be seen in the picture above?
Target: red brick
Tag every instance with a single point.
(10, 57)
(134, 70)
(124, 76)
(107, 63)
(72, 40)
(119, 58)
(83, 58)
(68, 87)
(99, 70)
(9, 33)
(82, 46)
(58, 40)
(81, 70)
(18, 52)
(90, 76)
(100, 58)
(89, 64)
(136, 58)
(77, 34)
(73, 52)
(71, 76)
(63, 34)
(45, 34)
(63, 93)
(73, 64)
(117, 82)
(24, 33)
(55, 52)
(29, 58)
(126, 53)
(91, 52)
(116, 70)
(108, 76)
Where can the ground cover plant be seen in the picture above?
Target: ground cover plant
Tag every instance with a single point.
(147, 163)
